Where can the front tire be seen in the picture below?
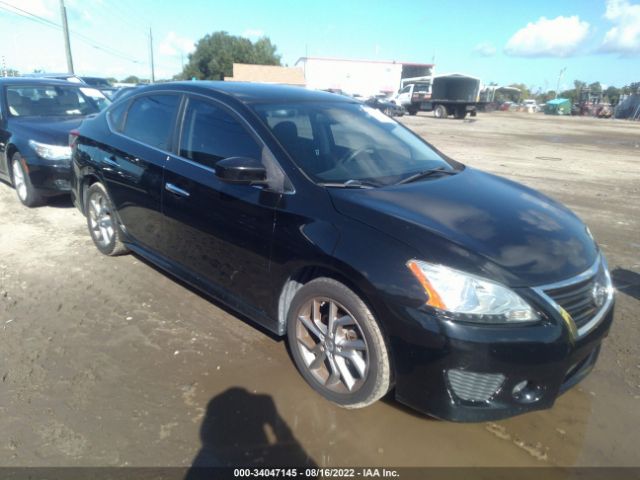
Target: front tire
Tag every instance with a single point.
(27, 193)
(102, 222)
(337, 344)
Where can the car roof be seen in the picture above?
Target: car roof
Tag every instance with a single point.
(36, 81)
(248, 92)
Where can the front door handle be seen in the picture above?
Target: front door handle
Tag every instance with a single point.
(170, 187)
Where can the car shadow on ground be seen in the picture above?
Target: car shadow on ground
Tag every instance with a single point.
(627, 282)
(245, 429)
(60, 201)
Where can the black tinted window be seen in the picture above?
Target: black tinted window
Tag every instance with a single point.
(150, 119)
(210, 134)
(50, 101)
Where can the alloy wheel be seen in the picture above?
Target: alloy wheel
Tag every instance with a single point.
(100, 219)
(19, 181)
(332, 345)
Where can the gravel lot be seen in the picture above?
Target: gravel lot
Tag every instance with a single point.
(107, 361)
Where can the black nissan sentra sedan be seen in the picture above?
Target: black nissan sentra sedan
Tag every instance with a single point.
(387, 265)
(36, 116)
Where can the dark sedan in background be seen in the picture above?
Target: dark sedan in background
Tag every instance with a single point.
(385, 106)
(36, 116)
(387, 265)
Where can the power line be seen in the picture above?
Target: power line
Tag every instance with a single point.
(83, 38)
(88, 40)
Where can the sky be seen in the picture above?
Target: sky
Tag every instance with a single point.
(500, 41)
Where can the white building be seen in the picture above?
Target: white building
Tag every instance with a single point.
(360, 77)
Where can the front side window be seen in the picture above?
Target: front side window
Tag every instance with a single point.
(349, 141)
(49, 101)
(150, 119)
(210, 133)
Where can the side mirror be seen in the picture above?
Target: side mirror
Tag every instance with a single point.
(241, 170)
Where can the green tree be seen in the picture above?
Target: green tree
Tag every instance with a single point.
(613, 94)
(131, 79)
(216, 53)
(595, 87)
(525, 93)
(544, 97)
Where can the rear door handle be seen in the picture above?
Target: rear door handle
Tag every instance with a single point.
(170, 187)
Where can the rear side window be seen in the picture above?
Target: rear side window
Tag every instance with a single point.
(150, 119)
(210, 133)
(116, 116)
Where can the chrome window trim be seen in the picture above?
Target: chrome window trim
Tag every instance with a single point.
(587, 274)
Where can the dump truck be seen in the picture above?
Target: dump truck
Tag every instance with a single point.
(453, 94)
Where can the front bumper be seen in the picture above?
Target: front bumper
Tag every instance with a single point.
(49, 177)
(444, 361)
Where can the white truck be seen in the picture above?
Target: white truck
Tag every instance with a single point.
(412, 96)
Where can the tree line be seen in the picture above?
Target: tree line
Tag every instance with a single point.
(610, 94)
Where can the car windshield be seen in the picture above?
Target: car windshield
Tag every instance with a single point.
(54, 101)
(342, 142)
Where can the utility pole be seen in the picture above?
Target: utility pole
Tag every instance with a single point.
(65, 31)
(559, 78)
(153, 72)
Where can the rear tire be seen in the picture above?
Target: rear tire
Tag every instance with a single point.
(27, 193)
(461, 112)
(337, 344)
(412, 111)
(440, 111)
(102, 222)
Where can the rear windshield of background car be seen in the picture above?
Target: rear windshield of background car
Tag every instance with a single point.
(421, 87)
(49, 101)
(96, 82)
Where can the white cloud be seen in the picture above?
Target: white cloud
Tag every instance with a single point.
(173, 45)
(558, 37)
(253, 33)
(485, 49)
(624, 36)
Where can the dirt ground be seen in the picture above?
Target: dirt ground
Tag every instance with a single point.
(107, 361)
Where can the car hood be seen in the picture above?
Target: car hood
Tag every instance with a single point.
(49, 130)
(478, 222)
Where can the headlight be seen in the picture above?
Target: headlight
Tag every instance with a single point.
(469, 298)
(51, 152)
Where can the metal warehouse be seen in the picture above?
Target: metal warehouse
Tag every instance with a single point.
(361, 77)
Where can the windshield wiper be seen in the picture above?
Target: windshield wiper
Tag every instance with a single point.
(350, 184)
(426, 173)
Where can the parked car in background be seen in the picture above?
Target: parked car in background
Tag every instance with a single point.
(36, 116)
(530, 106)
(121, 92)
(98, 84)
(386, 264)
(101, 84)
(386, 106)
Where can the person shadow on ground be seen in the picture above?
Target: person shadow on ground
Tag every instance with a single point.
(242, 429)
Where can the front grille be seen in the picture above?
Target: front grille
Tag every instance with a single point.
(474, 387)
(577, 299)
(586, 297)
